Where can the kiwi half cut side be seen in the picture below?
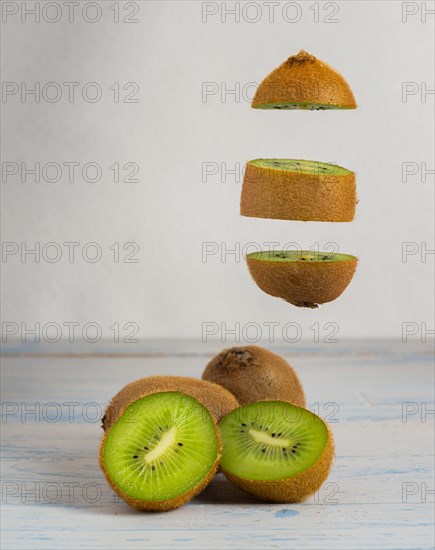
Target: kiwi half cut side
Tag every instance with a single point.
(303, 278)
(304, 82)
(303, 190)
(161, 452)
(275, 450)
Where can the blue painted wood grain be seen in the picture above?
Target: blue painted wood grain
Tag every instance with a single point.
(376, 395)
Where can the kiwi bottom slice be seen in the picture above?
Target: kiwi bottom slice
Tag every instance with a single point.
(276, 450)
(161, 452)
(302, 278)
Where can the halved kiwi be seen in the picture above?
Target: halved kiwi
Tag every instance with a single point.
(302, 278)
(304, 82)
(161, 452)
(304, 190)
(275, 450)
(215, 398)
(253, 374)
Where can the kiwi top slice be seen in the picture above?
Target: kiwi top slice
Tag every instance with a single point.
(160, 448)
(301, 166)
(271, 440)
(299, 256)
(304, 82)
(302, 105)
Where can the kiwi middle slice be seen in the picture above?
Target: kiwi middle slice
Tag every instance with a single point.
(298, 189)
(276, 450)
(161, 451)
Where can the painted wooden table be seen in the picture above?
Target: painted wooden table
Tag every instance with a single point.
(378, 397)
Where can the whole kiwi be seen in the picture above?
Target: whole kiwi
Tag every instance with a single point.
(252, 374)
(214, 397)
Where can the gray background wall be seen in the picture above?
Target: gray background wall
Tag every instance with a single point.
(173, 129)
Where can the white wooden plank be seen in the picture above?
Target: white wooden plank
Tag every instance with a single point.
(377, 496)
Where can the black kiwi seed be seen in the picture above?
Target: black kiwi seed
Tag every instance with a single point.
(153, 467)
(244, 425)
(273, 435)
(280, 434)
(135, 456)
(263, 450)
(180, 444)
(146, 448)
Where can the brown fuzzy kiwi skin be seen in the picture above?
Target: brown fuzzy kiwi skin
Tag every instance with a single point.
(216, 399)
(173, 503)
(291, 489)
(303, 283)
(303, 78)
(254, 374)
(284, 195)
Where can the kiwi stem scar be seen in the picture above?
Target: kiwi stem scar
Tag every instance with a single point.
(168, 439)
(261, 437)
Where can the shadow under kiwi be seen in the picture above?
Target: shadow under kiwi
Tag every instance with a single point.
(222, 491)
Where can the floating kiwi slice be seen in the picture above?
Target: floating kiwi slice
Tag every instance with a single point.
(301, 105)
(302, 278)
(300, 256)
(162, 451)
(253, 373)
(304, 190)
(304, 82)
(301, 166)
(275, 450)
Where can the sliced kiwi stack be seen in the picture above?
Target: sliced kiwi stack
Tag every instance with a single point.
(302, 278)
(304, 82)
(275, 450)
(161, 451)
(253, 373)
(304, 190)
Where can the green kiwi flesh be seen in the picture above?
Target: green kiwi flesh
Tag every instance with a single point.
(299, 256)
(302, 105)
(301, 166)
(271, 440)
(162, 447)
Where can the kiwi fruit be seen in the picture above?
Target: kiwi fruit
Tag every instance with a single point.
(304, 82)
(275, 450)
(302, 278)
(304, 190)
(161, 452)
(215, 398)
(253, 374)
